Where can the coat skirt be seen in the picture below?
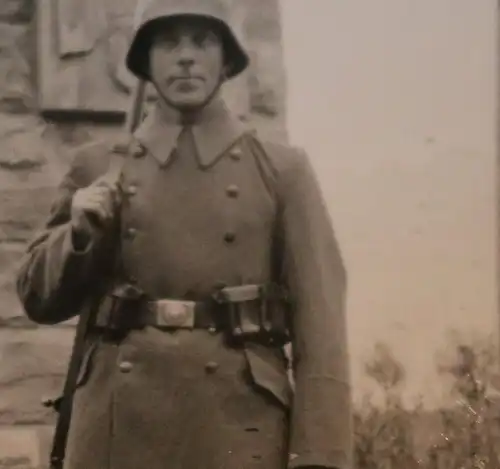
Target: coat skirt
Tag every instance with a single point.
(202, 411)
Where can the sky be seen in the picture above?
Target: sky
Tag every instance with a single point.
(395, 102)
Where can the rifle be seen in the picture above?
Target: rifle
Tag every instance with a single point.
(63, 404)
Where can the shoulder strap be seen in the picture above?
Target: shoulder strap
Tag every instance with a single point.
(264, 158)
(261, 151)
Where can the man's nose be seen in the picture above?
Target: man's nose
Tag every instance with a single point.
(186, 55)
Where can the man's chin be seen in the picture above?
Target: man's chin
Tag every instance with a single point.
(189, 103)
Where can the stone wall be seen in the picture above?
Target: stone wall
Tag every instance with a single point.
(33, 157)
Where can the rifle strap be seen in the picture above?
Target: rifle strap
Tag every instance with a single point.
(66, 404)
(114, 174)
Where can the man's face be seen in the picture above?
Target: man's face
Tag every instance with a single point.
(186, 62)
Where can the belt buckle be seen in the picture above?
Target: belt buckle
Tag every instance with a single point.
(175, 313)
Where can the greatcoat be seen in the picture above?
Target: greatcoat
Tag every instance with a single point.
(226, 208)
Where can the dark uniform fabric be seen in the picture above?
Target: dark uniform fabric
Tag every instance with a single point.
(205, 205)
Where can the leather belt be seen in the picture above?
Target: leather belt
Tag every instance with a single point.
(163, 314)
(241, 312)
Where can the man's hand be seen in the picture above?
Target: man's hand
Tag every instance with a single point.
(92, 209)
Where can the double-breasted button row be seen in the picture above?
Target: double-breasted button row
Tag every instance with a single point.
(233, 191)
(126, 367)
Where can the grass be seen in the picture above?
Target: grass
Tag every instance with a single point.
(464, 435)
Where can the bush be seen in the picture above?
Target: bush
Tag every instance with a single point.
(466, 434)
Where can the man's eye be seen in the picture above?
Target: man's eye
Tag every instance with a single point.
(170, 42)
(201, 39)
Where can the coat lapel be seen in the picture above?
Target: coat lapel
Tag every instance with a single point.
(158, 135)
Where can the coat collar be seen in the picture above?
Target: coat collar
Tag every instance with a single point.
(214, 131)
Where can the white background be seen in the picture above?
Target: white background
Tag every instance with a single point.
(395, 102)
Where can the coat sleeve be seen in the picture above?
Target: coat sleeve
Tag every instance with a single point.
(321, 419)
(53, 278)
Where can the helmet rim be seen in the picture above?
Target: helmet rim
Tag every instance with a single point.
(137, 58)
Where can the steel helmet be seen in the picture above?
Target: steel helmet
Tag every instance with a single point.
(137, 59)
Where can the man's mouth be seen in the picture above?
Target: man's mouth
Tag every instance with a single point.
(186, 84)
(187, 78)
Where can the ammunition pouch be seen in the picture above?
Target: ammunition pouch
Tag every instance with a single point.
(255, 312)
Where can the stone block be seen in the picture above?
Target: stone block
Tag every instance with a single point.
(16, 90)
(266, 77)
(32, 153)
(16, 11)
(266, 82)
(32, 366)
(25, 446)
(20, 448)
(263, 20)
(10, 311)
(22, 212)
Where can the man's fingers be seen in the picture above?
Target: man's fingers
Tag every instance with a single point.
(98, 199)
(105, 185)
(101, 192)
(94, 205)
(98, 211)
(96, 196)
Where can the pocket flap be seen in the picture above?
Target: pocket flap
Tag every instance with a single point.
(268, 371)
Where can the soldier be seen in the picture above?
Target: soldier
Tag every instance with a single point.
(210, 252)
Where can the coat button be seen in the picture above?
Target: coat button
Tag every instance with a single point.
(132, 279)
(211, 367)
(131, 190)
(131, 233)
(229, 237)
(233, 190)
(126, 367)
(235, 154)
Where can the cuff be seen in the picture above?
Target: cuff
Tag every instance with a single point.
(76, 261)
(69, 244)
